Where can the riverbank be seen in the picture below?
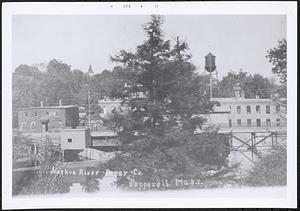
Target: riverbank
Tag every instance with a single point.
(240, 192)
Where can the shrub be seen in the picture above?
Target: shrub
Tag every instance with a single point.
(177, 156)
(270, 170)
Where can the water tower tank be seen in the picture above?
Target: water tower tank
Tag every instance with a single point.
(210, 62)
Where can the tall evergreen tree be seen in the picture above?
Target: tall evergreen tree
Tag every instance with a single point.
(165, 98)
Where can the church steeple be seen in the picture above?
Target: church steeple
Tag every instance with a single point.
(90, 71)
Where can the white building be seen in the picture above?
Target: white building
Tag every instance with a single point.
(109, 105)
(256, 125)
(233, 114)
(242, 113)
(75, 139)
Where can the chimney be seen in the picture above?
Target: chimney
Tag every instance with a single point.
(42, 104)
(60, 103)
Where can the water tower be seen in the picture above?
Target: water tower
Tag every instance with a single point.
(210, 66)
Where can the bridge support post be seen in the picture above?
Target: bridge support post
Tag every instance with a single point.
(253, 142)
(63, 155)
(272, 137)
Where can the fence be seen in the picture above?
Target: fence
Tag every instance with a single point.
(272, 125)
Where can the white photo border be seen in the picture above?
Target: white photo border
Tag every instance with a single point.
(165, 8)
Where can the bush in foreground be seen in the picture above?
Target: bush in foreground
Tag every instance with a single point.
(271, 170)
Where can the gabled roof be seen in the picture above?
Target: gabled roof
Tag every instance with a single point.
(244, 100)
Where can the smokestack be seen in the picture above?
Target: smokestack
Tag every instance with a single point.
(42, 104)
(60, 103)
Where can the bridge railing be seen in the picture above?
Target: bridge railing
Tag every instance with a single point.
(272, 125)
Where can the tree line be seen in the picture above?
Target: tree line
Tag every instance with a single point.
(30, 86)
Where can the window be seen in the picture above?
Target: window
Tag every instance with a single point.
(277, 108)
(32, 125)
(248, 109)
(23, 125)
(230, 123)
(248, 122)
(35, 113)
(56, 113)
(26, 114)
(113, 109)
(47, 113)
(278, 122)
(69, 140)
(268, 109)
(60, 123)
(238, 109)
(239, 122)
(104, 110)
(258, 123)
(257, 109)
(268, 122)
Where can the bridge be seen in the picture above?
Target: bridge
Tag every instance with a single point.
(252, 141)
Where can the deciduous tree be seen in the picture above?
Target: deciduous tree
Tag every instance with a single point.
(278, 57)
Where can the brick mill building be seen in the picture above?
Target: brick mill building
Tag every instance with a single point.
(48, 118)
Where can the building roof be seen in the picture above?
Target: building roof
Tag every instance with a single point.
(48, 107)
(103, 132)
(75, 129)
(244, 100)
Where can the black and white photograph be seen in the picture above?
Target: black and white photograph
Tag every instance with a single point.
(150, 104)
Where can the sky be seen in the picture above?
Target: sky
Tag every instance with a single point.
(237, 41)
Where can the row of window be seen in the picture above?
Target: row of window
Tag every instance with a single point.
(108, 110)
(47, 113)
(258, 122)
(257, 109)
(33, 125)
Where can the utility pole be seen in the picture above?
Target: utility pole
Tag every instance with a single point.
(89, 107)
(91, 74)
(210, 81)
